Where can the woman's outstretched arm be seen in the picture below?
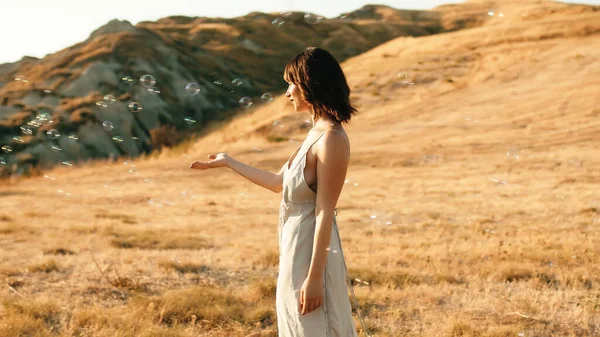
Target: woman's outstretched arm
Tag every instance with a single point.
(268, 180)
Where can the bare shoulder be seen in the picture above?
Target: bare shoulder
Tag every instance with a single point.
(334, 143)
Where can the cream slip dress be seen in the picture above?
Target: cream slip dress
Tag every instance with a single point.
(297, 222)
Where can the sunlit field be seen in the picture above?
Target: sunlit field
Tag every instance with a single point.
(471, 206)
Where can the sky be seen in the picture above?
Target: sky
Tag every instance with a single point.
(40, 27)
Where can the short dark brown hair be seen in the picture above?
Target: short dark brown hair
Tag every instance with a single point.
(322, 83)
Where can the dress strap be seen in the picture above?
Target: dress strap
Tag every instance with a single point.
(316, 140)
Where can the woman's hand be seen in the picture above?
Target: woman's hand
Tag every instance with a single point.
(311, 295)
(216, 160)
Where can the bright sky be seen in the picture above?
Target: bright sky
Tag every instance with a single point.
(40, 27)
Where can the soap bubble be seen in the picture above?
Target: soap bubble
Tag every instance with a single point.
(73, 137)
(135, 107)
(246, 101)
(192, 88)
(26, 129)
(108, 125)
(43, 117)
(18, 139)
(109, 99)
(312, 18)
(266, 97)
(101, 104)
(491, 12)
(237, 82)
(117, 139)
(6, 149)
(148, 81)
(20, 78)
(127, 79)
(512, 154)
(190, 120)
(154, 90)
(53, 134)
(2, 161)
(56, 148)
(278, 22)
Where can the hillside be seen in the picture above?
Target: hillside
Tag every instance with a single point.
(470, 206)
(227, 59)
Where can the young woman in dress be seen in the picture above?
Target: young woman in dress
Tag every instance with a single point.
(312, 295)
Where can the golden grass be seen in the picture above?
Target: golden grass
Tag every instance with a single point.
(148, 239)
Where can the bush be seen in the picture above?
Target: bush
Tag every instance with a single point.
(166, 135)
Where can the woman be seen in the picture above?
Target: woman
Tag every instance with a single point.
(312, 295)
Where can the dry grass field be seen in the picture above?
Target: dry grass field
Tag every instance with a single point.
(471, 207)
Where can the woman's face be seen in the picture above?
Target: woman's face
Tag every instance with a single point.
(294, 95)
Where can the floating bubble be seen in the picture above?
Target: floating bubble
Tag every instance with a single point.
(6, 149)
(2, 161)
(491, 12)
(47, 91)
(43, 117)
(135, 138)
(266, 97)
(127, 79)
(20, 78)
(73, 137)
(34, 123)
(237, 82)
(147, 81)
(469, 119)
(53, 134)
(26, 129)
(18, 139)
(64, 193)
(109, 99)
(190, 120)
(498, 181)
(67, 163)
(246, 101)
(501, 15)
(278, 22)
(117, 139)
(146, 180)
(135, 107)
(101, 104)
(275, 123)
(192, 88)
(312, 18)
(154, 90)
(513, 154)
(108, 125)
(521, 334)
(56, 148)
(133, 170)
(217, 82)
